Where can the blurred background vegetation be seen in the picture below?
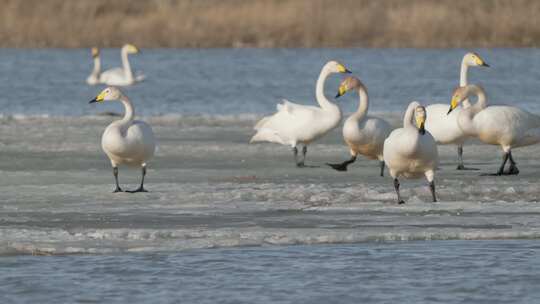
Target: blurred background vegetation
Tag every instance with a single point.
(270, 23)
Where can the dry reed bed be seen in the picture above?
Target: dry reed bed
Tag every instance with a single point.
(270, 23)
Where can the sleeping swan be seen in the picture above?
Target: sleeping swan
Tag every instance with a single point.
(295, 124)
(126, 141)
(363, 134)
(411, 151)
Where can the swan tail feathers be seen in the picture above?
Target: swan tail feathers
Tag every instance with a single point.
(267, 135)
(260, 124)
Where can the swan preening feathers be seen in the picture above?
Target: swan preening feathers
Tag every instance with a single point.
(506, 126)
(117, 76)
(443, 127)
(411, 151)
(363, 134)
(295, 124)
(126, 141)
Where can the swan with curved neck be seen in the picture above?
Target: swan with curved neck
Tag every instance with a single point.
(93, 78)
(443, 127)
(411, 151)
(295, 124)
(122, 76)
(126, 141)
(506, 126)
(363, 134)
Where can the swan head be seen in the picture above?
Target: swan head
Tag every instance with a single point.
(420, 118)
(110, 93)
(95, 52)
(349, 83)
(473, 59)
(130, 49)
(462, 93)
(336, 67)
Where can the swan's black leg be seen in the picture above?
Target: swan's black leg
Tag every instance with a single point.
(513, 170)
(505, 159)
(343, 166)
(432, 189)
(141, 187)
(304, 152)
(461, 166)
(396, 186)
(115, 173)
(298, 163)
(382, 167)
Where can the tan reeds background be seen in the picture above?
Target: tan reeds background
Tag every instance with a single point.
(270, 23)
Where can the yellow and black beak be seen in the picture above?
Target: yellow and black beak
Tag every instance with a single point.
(341, 91)
(98, 98)
(420, 122)
(481, 62)
(453, 104)
(343, 69)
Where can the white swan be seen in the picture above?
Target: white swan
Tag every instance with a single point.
(93, 78)
(363, 134)
(443, 127)
(122, 76)
(506, 126)
(126, 141)
(294, 123)
(411, 151)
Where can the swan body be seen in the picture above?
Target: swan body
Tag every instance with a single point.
(410, 151)
(93, 78)
(444, 128)
(295, 124)
(363, 134)
(122, 76)
(506, 126)
(126, 141)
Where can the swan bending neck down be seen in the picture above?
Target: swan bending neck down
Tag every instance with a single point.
(363, 134)
(506, 126)
(443, 127)
(126, 141)
(93, 78)
(411, 151)
(122, 76)
(295, 124)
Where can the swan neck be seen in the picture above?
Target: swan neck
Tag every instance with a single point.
(126, 65)
(129, 110)
(408, 117)
(319, 90)
(363, 104)
(481, 103)
(97, 66)
(463, 80)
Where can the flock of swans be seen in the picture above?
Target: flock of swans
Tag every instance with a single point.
(409, 151)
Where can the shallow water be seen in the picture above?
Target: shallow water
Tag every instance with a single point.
(232, 81)
(396, 272)
(215, 196)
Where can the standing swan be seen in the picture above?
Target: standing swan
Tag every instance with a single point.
(122, 76)
(506, 126)
(411, 151)
(443, 127)
(126, 141)
(294, 123)
(93, 78)
(363, 134)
